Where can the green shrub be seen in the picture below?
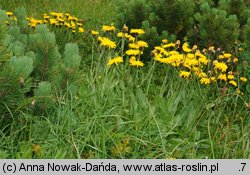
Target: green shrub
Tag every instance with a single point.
(216, 28)
(32, 70)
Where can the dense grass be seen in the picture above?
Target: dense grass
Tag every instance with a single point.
(93, 12)
(124, 112)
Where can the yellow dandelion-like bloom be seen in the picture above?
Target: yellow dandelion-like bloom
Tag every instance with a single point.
(185, 48)
(232, 82)
(133, 46)
(222, 77)
(136, 63)
(235, 60)
(108, 28)
(120, 35)
(142, 44)
(203, 60)
(190, 55)
(115, 61)
(212, 79)
(220, 66)
(107, 42)
(243, 79)
(168, 45)
(93, 32)
(80, 30)
(53, 21)
(185, 74)
(164, 41)
(205, 81)
(221, 56)
(201, 74)
(9, 13)
(173, 52)
(227, 55)
(211, 48)
(195, 47)
(230, 77)
(240, 49)
(137, 31)
(133, 52)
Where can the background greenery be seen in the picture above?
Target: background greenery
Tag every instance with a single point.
(97, 112)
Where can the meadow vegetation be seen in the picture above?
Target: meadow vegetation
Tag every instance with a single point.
(102, 81)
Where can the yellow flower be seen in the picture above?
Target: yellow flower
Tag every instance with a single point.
(108, 28)
(53, 21)
(133, 46)
(164, 41)
(168, 45)
(222, 77)
(185, 74)
(173, 52)
(230, 77)
(120, 35)
(240, 49)
(227, 55)
(220, 66)
(212, 79)
(211, 48)
(80, 30)
(133, 52)
(45, 16)
(202, 75)
(107, 42)
(134, 62)
(93, 32)
(195, 47)
(203, 60)
(142, 44)
(137, 31)
(234, 83)
(205, 81)
(9, 13)
(243, 79)
(115, 60)
(221, 56)
(185, 48)
(235, 60)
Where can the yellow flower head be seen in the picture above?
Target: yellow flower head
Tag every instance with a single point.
(230, 77)
(205, 81)
(80, 30)
(222, 77)
(137, 31)
(115, 61)
(93, 32)
(186, 48)
(107, 42)
(227, 55)
(164, 41)
(120, 35)
(220, 66)
(232, 82)
(168, 45)
(108, 28)
(9, 13)
(235, 60)
(136, 63)
(133, 46)
(243, 79)
(133, 52)
(185, 74)
(142, 44)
